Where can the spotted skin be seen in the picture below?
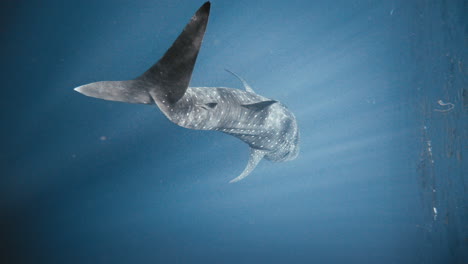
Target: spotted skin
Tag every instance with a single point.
(272, 129)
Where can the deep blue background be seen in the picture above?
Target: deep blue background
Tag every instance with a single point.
(91, 181)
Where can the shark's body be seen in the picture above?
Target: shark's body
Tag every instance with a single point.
(267, 126)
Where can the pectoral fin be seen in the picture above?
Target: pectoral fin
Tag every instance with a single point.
(255, 156)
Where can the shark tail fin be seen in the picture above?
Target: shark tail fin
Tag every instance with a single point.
(255, 156)
(168, 79)
(121, 91)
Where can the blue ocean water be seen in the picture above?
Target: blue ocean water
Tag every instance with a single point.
(379, 89)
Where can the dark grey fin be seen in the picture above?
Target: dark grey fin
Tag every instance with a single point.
(169, 78)
(123, 91)
(260, 105)
(246, 85)
(256, 156)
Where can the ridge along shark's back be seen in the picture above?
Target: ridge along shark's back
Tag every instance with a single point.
(267, 126)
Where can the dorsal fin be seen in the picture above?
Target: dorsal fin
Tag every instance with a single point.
(260, 105)
(246, 85)
(255, 156)
(169, 78)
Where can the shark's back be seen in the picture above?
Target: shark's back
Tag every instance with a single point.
(269, 127)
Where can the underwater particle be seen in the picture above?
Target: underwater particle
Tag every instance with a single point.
(103, 138)
(370, 100)
(429, 150)
(441, 103)
(465, 97)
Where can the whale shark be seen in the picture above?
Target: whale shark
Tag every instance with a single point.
(266, 125)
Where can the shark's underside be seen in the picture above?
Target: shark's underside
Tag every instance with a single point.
(266, 125)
